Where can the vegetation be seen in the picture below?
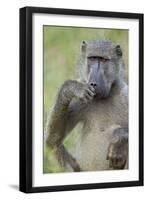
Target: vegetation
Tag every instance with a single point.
(61, 51)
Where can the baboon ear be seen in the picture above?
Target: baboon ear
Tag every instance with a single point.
(83, 46)
(118, 50)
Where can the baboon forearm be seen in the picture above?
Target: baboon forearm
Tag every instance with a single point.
(64, 157)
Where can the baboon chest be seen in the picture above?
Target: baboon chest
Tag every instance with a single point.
(100, 116)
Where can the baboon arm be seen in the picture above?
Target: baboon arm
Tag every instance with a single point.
(61, 122)
(64, 157)
(56, 125)
(61, 119)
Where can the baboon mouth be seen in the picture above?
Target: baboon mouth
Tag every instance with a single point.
(102, 94)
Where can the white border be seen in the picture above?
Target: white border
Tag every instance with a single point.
(40, 179)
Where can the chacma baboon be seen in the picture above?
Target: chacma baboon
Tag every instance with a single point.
(99, 101)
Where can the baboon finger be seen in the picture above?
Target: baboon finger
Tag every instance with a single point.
(91, 93)
(88, 97)
(92, 88)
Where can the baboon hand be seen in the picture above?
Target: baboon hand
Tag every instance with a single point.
(74, 89)
(84, 92)
(118, 152)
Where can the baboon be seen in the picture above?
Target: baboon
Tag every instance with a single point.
(99, 101)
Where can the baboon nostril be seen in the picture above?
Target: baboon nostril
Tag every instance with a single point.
(93, 84)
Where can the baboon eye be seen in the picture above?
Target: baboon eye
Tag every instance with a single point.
(92, 58)
(102, 59)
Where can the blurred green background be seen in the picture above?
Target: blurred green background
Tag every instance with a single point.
(61, 53)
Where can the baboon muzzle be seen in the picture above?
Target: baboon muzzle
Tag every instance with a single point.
(97, 80)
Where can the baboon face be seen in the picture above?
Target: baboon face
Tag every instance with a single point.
(101, 62)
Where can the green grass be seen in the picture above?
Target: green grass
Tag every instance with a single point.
(61, 51)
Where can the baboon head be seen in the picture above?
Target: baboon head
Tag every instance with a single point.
(101, 63)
